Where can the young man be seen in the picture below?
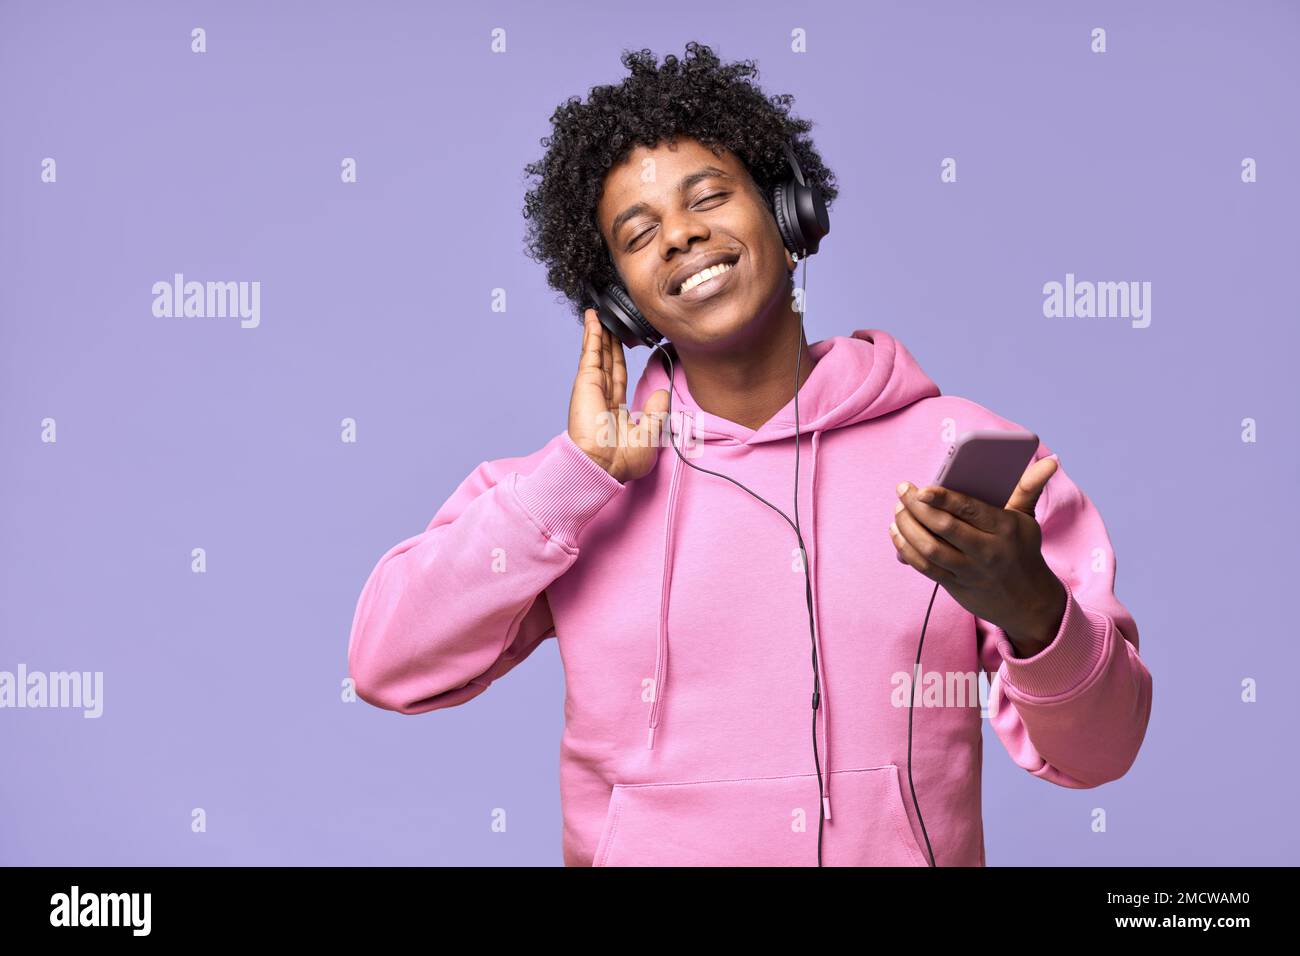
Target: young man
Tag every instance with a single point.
(680, 603)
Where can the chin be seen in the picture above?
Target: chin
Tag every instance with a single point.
(720, 325)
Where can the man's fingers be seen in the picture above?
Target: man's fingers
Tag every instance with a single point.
(652, 416)
(591, 327)
(620, 375)
(907, 554)
(932, 549)
(978, 514)
(607, 364)
(957, 519)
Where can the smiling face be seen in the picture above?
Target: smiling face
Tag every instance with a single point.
(669, 212)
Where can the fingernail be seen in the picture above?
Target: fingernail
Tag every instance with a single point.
(901, 488)
(893, 528)
(898, 507)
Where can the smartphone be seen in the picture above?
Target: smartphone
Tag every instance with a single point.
(987, 464)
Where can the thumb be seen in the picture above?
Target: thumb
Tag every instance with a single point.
(653, 415)
(1031, 485)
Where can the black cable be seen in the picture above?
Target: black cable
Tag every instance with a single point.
(803, 551)
(803, 554)
(916, 676)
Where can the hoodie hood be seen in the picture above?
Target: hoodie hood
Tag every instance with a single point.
(854, 379)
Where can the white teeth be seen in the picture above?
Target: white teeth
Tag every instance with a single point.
(703, 276)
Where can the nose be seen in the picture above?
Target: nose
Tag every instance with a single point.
(680, 229)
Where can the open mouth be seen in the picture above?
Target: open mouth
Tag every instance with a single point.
(708, 281)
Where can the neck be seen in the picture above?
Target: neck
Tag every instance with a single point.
(749, 384)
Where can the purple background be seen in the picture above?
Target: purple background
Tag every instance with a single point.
(222, 690)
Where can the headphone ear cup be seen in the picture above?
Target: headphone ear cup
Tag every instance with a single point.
(618, 313)
(814, 221)
(783, 218)
(645, 333)
(801, 216)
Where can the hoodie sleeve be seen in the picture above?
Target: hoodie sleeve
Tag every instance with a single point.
(1075, 713)
(446, 612)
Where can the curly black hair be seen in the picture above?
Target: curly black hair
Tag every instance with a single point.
(697, 97)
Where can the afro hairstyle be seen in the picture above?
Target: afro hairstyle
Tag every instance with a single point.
(698, 97)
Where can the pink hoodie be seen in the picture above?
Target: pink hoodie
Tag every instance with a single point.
(678, 603)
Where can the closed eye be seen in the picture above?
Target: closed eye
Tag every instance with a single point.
(637, 238)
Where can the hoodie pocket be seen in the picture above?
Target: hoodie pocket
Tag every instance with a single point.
(760, 821)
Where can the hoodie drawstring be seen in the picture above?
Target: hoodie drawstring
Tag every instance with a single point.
(665, 588)
(665, 591)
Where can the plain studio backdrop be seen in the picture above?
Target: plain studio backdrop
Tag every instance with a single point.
(223, 690)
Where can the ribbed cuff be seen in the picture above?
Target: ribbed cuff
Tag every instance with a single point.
(566, 491)
(1063, 664)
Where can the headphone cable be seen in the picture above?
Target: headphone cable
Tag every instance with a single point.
(803, 554)
(803, 551)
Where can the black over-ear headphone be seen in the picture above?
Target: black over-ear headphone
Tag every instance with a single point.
(801, 218)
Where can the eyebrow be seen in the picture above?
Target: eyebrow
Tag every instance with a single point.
(631, 212)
